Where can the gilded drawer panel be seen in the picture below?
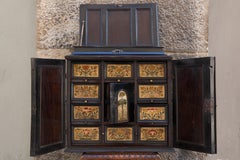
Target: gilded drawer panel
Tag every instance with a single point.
(152, 70)
(153, 134)
(152, 113)
(119, 70)
(151, 91)
(122, 134)
(85, 70)
(86, 112)
(86, 134)
(85, 91)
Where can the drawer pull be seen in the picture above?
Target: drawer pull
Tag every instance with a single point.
(118, 80)
(151, 80)
(85, 101)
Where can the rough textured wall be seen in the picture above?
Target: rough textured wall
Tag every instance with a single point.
(183, 24)
(183, 32)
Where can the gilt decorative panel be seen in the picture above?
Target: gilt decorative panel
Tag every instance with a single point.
(152, 113)
(86, 134)
(152, 70)
(86, 70)
(119, 134)
(152, 134)
(151, 91)
(119, 70)
(86, 113)
(85, 91)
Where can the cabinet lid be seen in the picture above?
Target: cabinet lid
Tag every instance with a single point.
(195, 104)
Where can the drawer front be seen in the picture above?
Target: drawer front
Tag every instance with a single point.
(86, 70)
(119, 70)
(85, 113)
(152, 70)
(86, 134)
(119, 134)
(152, 134)
(85, 91)
(151, 92)
(152, 113)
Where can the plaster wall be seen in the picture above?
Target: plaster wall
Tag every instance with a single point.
(17, 46)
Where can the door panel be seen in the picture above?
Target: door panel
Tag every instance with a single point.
(47, 128)
(194, 104)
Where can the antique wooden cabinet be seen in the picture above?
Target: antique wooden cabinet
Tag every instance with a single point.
(123, 101)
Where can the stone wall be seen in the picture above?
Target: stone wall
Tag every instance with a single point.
(183, 32)
(183, 24)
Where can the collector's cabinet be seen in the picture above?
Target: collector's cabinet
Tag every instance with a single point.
(123, 102)
(119, 101)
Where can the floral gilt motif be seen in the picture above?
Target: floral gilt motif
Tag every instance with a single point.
(152, 113)
(151, 91)
(86, 112)
(86, 134)
(86, 70)
(119, 70)
(120, 134)
(152, 134)
(85, 91)
(151, 70)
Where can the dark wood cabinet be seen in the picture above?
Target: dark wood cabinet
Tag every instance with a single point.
(124, 102)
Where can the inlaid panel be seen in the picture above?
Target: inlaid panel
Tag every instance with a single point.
(85, 91)
(122, 134)
(152, 113)
(151, 91)
(119, 70)
(86, 134)
(85, 70)
(152, 70)
(86, 112)
(152, 134)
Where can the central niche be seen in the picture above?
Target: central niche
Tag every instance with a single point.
(119, 99)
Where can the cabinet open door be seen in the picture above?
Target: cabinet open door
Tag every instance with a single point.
(47, 128)
(194, 104)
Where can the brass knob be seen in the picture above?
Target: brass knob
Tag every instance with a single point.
(85, 101)
(151, 80)
(85, 80)
(118, 80)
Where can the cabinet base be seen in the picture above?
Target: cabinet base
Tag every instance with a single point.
(120, 156)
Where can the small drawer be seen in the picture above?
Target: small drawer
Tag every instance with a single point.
(152, 93)
(86, 113)
(119, 71)
(86, 134)
(86, 93)
(119, 134)
(152, 134)
(152, 113)
(152, 70)
(85, 70)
